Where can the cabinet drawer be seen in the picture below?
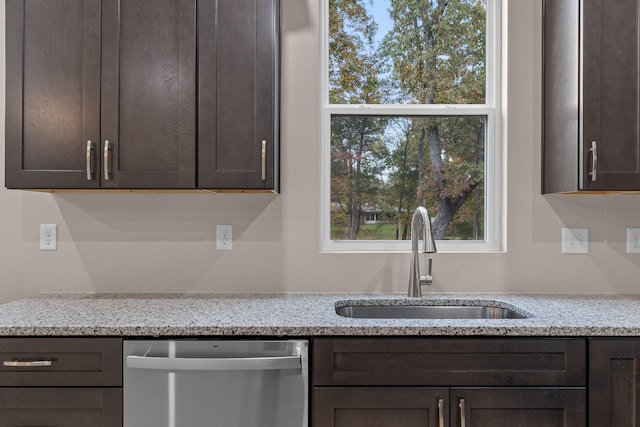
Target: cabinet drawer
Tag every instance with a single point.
(450, 361)
(521, 407)
(379, 406)
(71, 362)
(61, 407)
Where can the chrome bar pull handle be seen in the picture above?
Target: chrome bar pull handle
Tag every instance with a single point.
(89, 162)
(264, 160)
(594, 161)
(463, 417)
(440, 413)
(27, 363)
(106, 160)
(215, 364)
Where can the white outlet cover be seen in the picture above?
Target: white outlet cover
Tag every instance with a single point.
(575, 241)
(633, 240)
(48, 237)
(224, 237)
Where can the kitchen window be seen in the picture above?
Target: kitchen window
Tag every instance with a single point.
(411, 116)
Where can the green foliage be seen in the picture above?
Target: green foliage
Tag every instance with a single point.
(438, 50)
(354, 65)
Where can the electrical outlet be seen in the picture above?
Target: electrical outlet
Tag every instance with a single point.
(575, 240)
(224, 237)
(633, 240)
(48, 237)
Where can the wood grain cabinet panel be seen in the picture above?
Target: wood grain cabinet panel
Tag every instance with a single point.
(591, 98)
(61, 407)
(380, 407)
(53, 92)
(103, 94)
(73, 362)
(148, 93)
(447, 382)
(450, 361)
(61, 382)
(521, 407)
(238, 102)
(100, 94)
(440, 407)
(614, 383)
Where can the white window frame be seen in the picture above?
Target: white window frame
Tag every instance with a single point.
(493, 223)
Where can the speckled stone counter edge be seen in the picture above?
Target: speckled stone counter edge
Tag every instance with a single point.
(198, 315)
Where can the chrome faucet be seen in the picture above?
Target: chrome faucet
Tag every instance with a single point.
(420, 227)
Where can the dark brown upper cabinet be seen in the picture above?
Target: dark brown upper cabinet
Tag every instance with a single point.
(53, 93)
(148, 93)
(100, 94)
(591, 102)
(103, 94)
(238, 57)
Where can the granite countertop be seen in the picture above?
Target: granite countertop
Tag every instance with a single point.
(308, 315)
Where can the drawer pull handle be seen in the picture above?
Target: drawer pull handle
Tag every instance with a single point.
(594, 161)
(463, 417)
(440, 413)
(89, 162)
(105, 160)
(26, 363)
(263, 153)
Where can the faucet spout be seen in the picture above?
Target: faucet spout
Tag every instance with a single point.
(420, 228)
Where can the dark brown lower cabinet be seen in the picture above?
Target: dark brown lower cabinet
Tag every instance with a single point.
(450, 382)
(60, 382)
(442, 407)
(614, 397)
(521, 407)
(61, 407)
(380, 407)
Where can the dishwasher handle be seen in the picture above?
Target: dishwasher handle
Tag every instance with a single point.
(215, 364)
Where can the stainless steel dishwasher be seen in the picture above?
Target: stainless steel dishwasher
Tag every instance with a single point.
(216, 383)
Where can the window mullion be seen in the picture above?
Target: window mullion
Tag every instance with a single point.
(410, 110)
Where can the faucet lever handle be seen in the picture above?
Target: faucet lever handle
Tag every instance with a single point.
(428, 279)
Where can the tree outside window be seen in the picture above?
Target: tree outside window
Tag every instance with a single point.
(408, 116)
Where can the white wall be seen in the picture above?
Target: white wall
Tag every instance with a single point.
(164, 242)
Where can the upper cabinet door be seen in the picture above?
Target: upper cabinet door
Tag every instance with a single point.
(591, 103)
(238, 94)
(148, 94)
(52, 93)
(611, 112)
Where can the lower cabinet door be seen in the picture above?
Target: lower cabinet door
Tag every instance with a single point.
(522, 407)
(61, 407)
(380, 407)
(613, 397)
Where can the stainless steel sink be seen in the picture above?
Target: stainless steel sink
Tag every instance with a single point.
(427, 312)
